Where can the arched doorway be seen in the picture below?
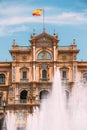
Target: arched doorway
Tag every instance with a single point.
(23, 96)
(44, 94)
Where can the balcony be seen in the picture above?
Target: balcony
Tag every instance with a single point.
(64, 81)
(44, 79)
(24, 80)
(22, 101)
(25, 101)
(2, 83)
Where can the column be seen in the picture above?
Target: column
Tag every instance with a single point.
(34, 53)
(54, 67)
(54, 48)
(13, 73)
(34, 72)
(33, 61)
(75, 73)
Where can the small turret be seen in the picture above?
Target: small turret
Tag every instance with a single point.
(14, 43)
(74, 41)
(55, 34)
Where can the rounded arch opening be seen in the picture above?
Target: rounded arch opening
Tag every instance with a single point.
(44, 94)
(44, 55)
(23, 96)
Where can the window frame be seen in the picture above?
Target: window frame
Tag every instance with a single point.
(22, 71)
(24, 74)
(44, 74)
(2, 79)
(64, 75)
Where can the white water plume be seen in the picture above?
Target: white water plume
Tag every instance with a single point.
(56, 113)
(78, 107)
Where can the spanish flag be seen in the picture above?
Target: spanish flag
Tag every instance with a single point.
(37, 12)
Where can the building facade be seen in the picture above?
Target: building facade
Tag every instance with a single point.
(29, 77)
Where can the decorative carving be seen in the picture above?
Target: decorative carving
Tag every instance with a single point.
(44, 66)
(44, 55)
(44, 39)
(43, 44)
(24, 58)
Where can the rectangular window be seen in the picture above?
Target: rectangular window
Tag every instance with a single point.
(24, 76)
(64, 76)
(2, 78)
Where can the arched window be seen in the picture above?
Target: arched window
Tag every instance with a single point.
(44, 55)
(2, 78)
(44, 74)
(23, 96)
(44, 94)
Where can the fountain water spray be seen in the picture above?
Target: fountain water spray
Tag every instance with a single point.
(53, 113)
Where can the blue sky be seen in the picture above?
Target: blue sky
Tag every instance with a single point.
(67, 18)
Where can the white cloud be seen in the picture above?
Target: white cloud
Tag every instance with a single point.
(14, 11)
(21, 15)
(68, 18)
(63, 18)
(17, 29)
(9, 31)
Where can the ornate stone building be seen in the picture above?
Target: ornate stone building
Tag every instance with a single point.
(28, 78)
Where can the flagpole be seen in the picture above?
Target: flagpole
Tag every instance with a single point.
(43, 21)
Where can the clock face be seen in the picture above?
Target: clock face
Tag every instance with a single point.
(24, 57)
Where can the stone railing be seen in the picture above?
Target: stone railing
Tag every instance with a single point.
(16, 47)
(24, 47)
(25, 101)
(44, 79)
(24, 80)
(64, 47)
(22, 101)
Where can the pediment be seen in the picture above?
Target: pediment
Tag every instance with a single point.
(64, 67)
(24, 68)
(44, 37)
